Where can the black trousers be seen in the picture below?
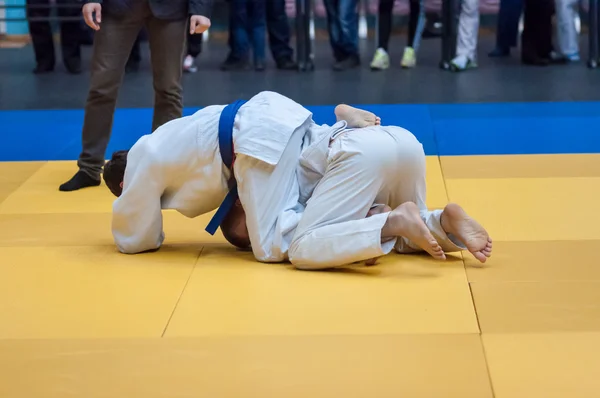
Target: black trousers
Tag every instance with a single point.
(41, 32)
(386, 8)
(279, 30)
(537, 31)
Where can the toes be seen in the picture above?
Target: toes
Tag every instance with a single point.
(480, 256)
(437, 251)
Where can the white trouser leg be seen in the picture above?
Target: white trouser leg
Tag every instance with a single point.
(270, 194)
(567, 37)
(365, 166)
(468, 29)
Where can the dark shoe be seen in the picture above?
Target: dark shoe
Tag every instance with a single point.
(231, 64)
(499, 52)
(347, 63)
(259, 66)
(73, 66)
(80, 180)
(41, 69)
(286, 63)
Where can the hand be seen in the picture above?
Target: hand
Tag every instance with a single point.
(199, 24)
(88, 15)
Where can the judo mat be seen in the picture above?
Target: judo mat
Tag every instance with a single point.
(199, 319)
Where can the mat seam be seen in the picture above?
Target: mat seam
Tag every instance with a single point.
(181, 294)
(485, 356)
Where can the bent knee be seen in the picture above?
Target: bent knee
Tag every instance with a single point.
(304, 259)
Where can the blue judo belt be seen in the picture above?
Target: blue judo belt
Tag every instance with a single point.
(227, 155)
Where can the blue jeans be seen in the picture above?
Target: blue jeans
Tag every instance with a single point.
(342, 21)
(247, 26)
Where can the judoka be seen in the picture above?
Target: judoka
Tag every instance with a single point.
(346, 174)
(205, 161)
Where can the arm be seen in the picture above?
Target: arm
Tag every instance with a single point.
(137, 216)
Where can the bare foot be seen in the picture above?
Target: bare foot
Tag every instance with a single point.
(458, 223)
(406, 221)
(356, 118)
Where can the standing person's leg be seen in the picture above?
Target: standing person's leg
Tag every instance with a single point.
(537, 33)
(70, 36)
(416, 25)
(258, 30)
(381, 58)
(333, 27)
(167, 49)
(41, 35)
(112, 46)
(507, 30)
(567, 37)
(239, 36)
(348, 22)
(194, 48)
(468, 32)
(278, 27)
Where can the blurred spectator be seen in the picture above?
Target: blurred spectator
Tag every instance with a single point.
(43, 42)
(507, 29)
(194, 48)
(468, 32)
(247, 29)
(537, 32)
(566, 32)
(279, 35)
(416, 25)
(117, 26)
(342, 21)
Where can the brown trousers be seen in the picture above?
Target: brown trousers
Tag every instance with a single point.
(112, 46)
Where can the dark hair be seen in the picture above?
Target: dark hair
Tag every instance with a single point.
(234, 227)
(114, 171)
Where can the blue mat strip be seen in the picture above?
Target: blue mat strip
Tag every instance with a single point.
(453, 129)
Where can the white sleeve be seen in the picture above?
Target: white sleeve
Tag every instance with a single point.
(269, 195)
(269, 203)
(137, 223)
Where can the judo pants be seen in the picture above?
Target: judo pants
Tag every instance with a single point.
(374, 165)
(468, 29)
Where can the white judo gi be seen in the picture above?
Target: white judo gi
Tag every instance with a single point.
(179, 167)
(341, 177)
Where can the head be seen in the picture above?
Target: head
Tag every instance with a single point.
(114, 172)
(234, 227)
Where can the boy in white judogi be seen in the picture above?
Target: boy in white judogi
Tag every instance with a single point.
(181, 166)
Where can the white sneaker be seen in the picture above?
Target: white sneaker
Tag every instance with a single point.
(409, 59)
(188, 65)
(381, 60)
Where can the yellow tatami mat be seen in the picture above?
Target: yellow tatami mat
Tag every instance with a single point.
(200, 319)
